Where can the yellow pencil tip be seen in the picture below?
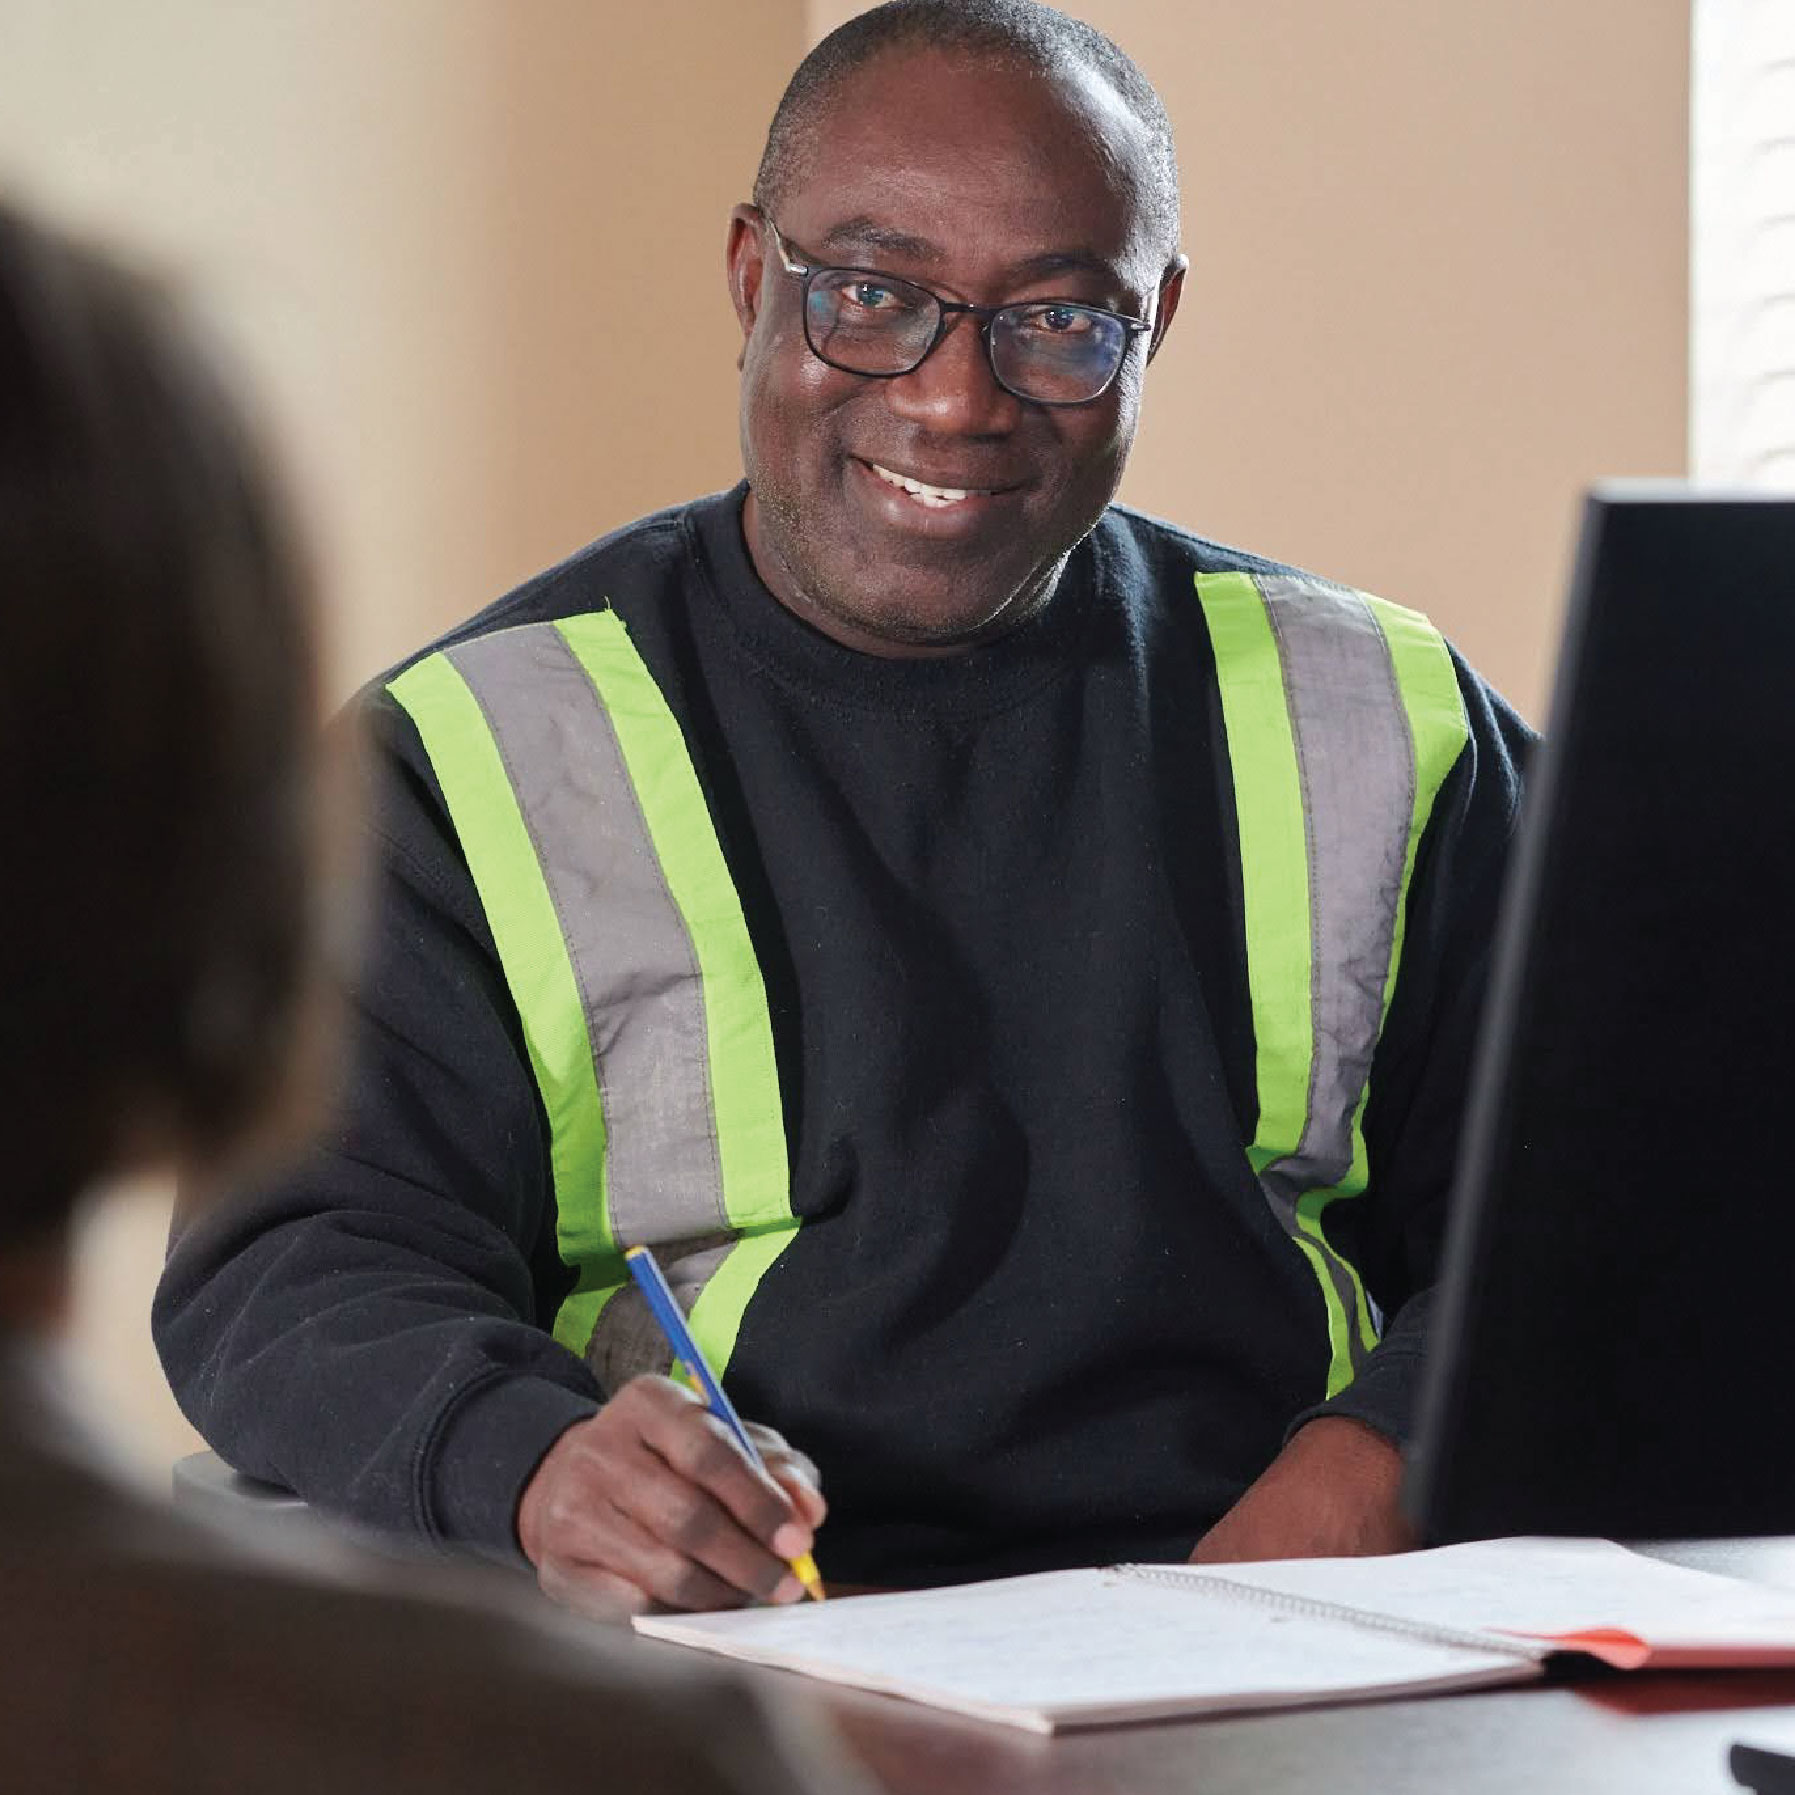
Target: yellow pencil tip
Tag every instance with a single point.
(804, 1569)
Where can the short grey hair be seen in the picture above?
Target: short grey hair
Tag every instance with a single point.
(1019, 32)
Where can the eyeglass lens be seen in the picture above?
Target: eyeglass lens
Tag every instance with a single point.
(1058, 354)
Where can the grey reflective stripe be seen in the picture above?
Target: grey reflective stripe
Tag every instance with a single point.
(1356, 767)
(633, 961)
(1343, 718)
(627, 1340)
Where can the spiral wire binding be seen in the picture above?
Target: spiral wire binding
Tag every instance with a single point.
(1313, 1608)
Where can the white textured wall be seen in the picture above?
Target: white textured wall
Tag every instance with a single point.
(1742, 225)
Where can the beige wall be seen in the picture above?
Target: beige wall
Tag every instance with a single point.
(471, 250)
(1438, 284)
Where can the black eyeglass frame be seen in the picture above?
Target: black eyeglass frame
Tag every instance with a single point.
(987, 315)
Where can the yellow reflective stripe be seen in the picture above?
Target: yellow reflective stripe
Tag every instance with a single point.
(1270, 817)
(1438, 730)
(1343, 1357)
(1268, 684)
(716, 1316)
(744, 1081)
(580, 1310)
(508, 771)
(1438, 727)
(502, 860)
(1274, 855)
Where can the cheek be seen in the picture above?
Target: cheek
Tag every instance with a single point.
(1128, 403)
(1096, 448)
(789, 399)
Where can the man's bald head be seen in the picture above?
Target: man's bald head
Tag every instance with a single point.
(1006, 33)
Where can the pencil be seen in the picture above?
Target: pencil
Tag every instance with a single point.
(652, 1282)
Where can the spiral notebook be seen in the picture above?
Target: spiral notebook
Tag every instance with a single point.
(1140, 1642)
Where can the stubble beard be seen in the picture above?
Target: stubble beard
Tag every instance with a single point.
(813, 596)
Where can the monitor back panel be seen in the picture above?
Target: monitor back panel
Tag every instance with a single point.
(1615, 1338)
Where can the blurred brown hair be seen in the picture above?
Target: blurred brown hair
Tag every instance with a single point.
(158, 756)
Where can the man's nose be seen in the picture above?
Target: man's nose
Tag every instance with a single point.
(955, 391)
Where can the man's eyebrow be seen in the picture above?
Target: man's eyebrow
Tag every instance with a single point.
(867, 236)
(1066, 261)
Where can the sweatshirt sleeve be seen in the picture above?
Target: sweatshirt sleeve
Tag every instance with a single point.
(370, 1328)
(1420, 1076)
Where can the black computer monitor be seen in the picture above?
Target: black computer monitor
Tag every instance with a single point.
(1614, 1339)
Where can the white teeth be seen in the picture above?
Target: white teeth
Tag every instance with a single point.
(936, 496)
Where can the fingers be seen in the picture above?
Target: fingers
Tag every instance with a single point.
(801, 1492)
(598, 1594)
(795, 1474)
(701, 1450)
(653, 1502)
(694, 1572)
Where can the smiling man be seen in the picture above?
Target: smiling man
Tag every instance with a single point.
(924, 452)
(1013, 960)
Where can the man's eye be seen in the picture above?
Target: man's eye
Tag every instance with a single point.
(1060, 320)
(869, 296)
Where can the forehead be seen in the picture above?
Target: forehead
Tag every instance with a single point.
(987, 160)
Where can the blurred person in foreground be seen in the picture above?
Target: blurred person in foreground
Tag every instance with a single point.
(1013, 959)
(160, 924)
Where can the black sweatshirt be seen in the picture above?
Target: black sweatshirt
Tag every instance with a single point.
(1038, 1312)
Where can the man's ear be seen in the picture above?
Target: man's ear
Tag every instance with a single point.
(745, 259)
(1171, 289)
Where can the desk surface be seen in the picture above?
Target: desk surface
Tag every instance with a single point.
(1639, 1736)
(1608, 1734)
(1656, 1734)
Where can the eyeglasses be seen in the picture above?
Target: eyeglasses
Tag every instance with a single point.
(1048, 351)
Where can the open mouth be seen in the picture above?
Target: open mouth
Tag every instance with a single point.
(937, 498)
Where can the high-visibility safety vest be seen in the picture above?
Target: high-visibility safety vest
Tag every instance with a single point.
(623, 942)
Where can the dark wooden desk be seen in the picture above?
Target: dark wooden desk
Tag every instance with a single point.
(1656, 1734)
(1663, 1735)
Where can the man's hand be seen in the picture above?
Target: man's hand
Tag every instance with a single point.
(1331, 1493)
(653, 1502)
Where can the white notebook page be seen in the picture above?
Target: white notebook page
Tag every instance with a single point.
(1541, 1586)
(1085, 1645)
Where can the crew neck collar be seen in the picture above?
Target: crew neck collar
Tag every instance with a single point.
(992, 676)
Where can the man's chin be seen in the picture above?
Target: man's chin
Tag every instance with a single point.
(924, 622)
